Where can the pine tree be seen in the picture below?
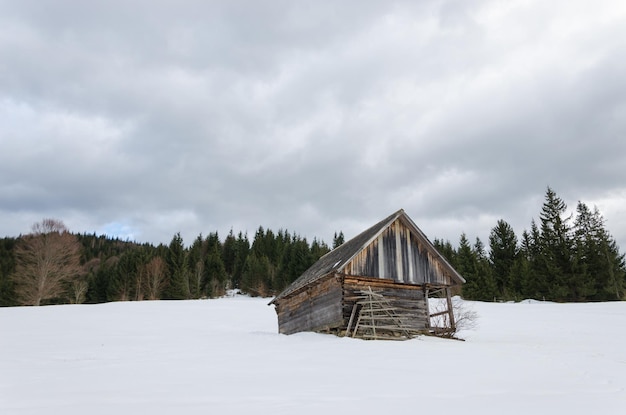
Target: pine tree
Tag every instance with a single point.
(615, 287)
(215, 277)
(466, 266)
(264, 263)
(259, 243)
(318, 249)
(123, 281)
(584, 255)
(98, 291)
(556, 248)
(301, 258)
(520, 271)
(7, 267)
(447, 250)
(242, 250)
(502, 254)
(256, 275)
(599, 265)
(176, 259)
(472, 263)
(483, 270)
(534, 281)
(229, 254)
(196, 271)
(338, 239)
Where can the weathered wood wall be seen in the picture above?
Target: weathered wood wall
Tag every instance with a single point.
(400, 256)
(327, 306)
(316, 308)
(409, 300)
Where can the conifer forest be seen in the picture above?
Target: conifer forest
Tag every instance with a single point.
(561, 257)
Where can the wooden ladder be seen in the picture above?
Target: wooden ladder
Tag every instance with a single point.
(378, 319)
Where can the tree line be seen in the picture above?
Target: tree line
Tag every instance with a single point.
(561, 258)
(51, 265)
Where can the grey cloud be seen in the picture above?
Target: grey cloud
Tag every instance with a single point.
(158, 117)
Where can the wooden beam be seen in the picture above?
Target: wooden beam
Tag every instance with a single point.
(351, 319)
(399, 272)
(381, 257)
(412, 278)
(450, 309)
(427, 304)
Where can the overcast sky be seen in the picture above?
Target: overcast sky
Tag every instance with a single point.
(140, 119)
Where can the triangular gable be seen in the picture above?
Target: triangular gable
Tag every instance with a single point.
(344, 256)
(402, 253)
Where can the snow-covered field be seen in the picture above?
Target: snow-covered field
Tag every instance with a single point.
(225, 357)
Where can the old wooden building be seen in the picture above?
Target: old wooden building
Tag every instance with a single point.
(375, 285)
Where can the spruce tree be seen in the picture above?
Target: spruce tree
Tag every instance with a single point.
(502, 254)
(259, 243)
(585, 255)
(483, 272)
(447, 250)
(98, 291)
(256, 275)
(215, 277)
(556, 248)
(534, 281)
(599, 265)
(196, 272)
(318, 249)
(466, 266)
(122, 284)
(301, 258)
(7, 267)
(338, 239)
(472, 263)
(242, 250)
(616, 283)
(176, 259)
(520, 271)
(229, 254)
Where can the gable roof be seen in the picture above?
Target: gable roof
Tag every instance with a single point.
(336, 259)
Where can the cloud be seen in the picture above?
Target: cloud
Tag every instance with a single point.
(148, 118)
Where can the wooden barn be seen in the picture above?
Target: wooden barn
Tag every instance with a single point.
(375, 285)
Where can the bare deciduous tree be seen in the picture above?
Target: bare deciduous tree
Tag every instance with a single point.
(154, 278)
(47, 262)
(78, 290)
(78, 287)
(464, 317)
(195, 280)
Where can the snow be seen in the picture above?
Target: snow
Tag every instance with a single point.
(225, 356)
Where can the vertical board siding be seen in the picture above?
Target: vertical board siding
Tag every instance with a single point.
(410, 258)
(367, 261)
(405, 239)
(389, 253)
(400, 256)
(380, 254)
(399, 263)
(371, 260)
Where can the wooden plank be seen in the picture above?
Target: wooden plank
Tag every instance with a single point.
(399, 270)
(354, 308)
(427, 306)
(317, 308)
(450, 309)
